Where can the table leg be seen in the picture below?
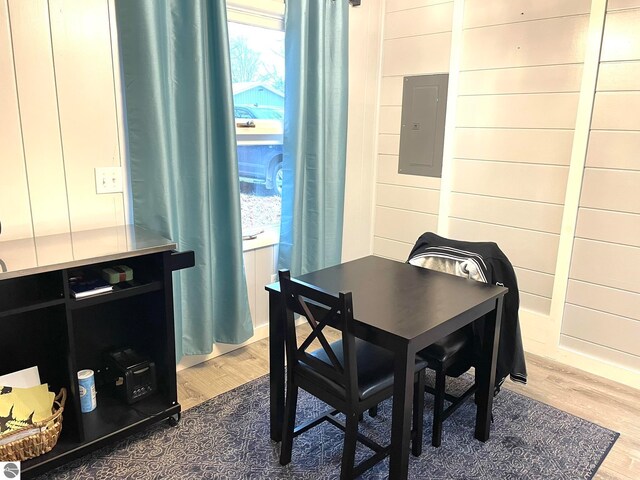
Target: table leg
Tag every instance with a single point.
(404, 366)
(276, 366)
(486, 373)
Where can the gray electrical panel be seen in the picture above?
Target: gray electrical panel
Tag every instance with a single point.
(424, 108)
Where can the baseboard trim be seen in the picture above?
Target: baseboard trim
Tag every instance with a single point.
(187, 361)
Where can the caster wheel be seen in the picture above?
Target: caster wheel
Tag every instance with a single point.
(174, 420)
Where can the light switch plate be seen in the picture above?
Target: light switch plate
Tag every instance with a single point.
(108, 180)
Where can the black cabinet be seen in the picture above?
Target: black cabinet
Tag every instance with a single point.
(41, 324)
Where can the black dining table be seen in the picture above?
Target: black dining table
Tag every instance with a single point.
(402, 308)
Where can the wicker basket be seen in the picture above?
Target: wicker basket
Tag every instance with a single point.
(38, 443)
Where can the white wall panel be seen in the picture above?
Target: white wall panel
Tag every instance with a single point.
(619, 76)
(604, 298)
(542, 42)
(614, 149)
(388, 173)
(87, 108)
(535, 303)
(390, 120)
(408, 198)
(265, 267)
(544, 217)
(391, 91)
(608, 226)
(511, 145)
(396, 5)
(389, 144)
(600, 316)
(429, 54)
(537, 283)
(39, 115)
(543, 183)
(419, 21)
(615, 266)
(393, 249)
(602, 328)
(608, 354)
(524, 248)
(622, 4)
(611, 190)
(544, 110)
(542, 79)
(403, 225)
(479, 13)
(621, 40)
(15, 211)
(616, 110)
(362, 129)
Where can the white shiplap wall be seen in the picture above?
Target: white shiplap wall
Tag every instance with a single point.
(520, 75)
(416, 41)
(522, 158)
(58, 116)
(602, 311)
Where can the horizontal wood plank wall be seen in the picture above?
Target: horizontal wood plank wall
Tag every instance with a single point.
(416, 41)
(602, 311)
(520, 78)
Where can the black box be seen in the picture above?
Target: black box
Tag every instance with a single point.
(134, 376)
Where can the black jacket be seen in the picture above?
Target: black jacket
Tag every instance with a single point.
(483, 261)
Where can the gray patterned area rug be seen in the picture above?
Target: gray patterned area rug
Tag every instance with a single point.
(227, 437)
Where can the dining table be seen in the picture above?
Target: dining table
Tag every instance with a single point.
(402, 308)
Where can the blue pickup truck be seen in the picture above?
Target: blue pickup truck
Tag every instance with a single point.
(260, 152)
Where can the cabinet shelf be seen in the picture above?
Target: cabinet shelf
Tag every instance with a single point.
(119, 292)
(65, 447)
(110, 421)
(32, 307)
(112, 415)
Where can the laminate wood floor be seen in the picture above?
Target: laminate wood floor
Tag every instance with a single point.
(594, 398)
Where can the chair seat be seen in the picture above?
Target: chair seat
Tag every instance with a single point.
(452, 352)
(375, 368)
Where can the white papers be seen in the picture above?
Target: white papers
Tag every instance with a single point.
(20, 435)
(27, 378)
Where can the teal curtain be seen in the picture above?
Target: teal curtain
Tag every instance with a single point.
(315, 134)
(182, 156)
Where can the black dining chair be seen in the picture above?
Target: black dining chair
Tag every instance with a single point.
(350, 374)
(449, 357)
(456, 353)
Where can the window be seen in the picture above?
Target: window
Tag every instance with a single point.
(256, 43)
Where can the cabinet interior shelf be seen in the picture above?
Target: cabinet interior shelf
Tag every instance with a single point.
(117, 293)
(111, 420)
(33, 307)
(112, 415)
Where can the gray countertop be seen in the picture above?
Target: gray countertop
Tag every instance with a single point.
(29, 256)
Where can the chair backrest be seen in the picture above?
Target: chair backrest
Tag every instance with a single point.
(321, 309)
(483, 261)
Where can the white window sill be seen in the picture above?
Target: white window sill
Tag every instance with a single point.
(270, 236)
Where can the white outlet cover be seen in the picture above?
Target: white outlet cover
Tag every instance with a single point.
(108, 180)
